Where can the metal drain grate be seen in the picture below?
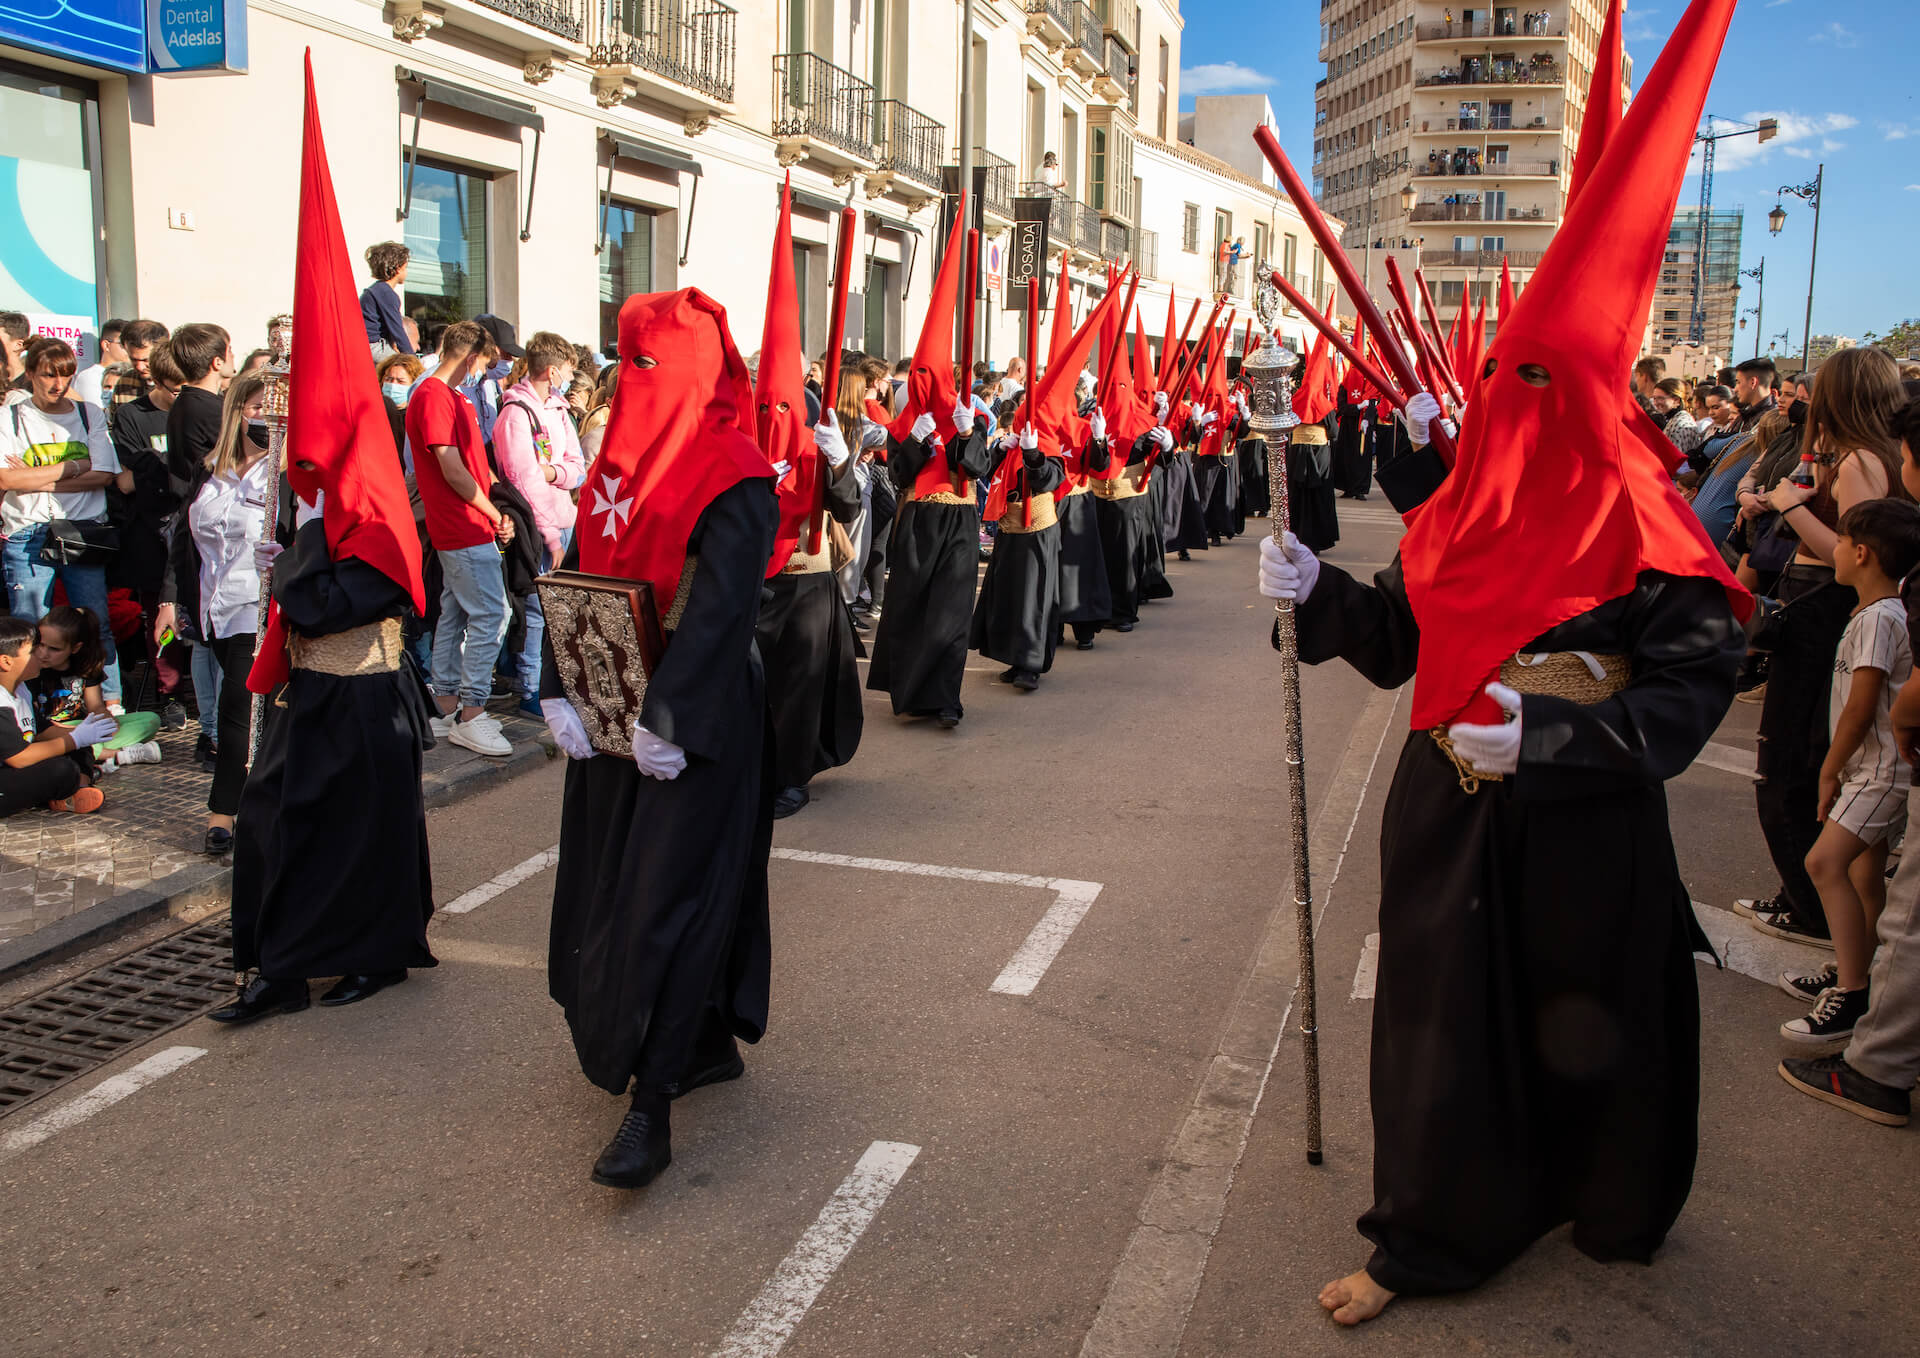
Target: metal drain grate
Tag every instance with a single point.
(69, 1030)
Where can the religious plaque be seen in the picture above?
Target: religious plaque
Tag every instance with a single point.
(607, 639)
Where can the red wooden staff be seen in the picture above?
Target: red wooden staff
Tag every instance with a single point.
(1329, 243)
(1436, 360)
(970, 288)
(1119, 345)
(1169, 364)
(837, 325)
(1433, 316)
(1179, 387)
(1033, 348)
(1389, 392)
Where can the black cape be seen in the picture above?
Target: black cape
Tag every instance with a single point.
(318, 891)
(1130, 544)
(660, 936)
(807, 645)
(933, 559)
(1017, 617)
(1310, 496)
(1085, 595)
(1255, 494)
(1536, 1021)
(1352, 451)
(1183, 511)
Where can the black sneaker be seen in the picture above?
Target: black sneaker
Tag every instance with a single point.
(1746, 907)
(1831, 1080)
(1782, 924)
(1831, 1020)
(1808, 987)
(173, 717)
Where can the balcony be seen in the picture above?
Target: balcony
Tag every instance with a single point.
(1121, 20)
(1442, 167)
(1060, 212)
(1115, 81)
(1116, 242)
(1086, 229)
(821, 111)
(998, 199)
(1089, 40)
(1518, 27)
(1474, 71)
(1146, 252)
(1484, 212)
(1440, 127)
(1480, 259)
(1051, 21)
(907, 144)
(677, 52)
(562, 18)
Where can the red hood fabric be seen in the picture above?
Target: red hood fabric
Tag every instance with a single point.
(1062, 316)
(1168, 367)
(1063, 434)
(338, 440)
(1128, 406)
(673, 443)
(1315, 399)
(1506, 295)
(1359, 390)
(1602, 118)
(1562, 494)
(780, 403)
(929, 388)
(1214, 393)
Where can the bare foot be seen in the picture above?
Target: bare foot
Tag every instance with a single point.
(1355, 1298)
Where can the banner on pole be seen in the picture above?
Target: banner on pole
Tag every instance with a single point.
(1027, 249)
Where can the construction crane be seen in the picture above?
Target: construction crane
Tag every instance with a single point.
(1766, 130)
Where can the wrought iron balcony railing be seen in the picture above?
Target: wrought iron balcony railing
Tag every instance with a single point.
(562, 18)
(1119, 64)
(814, 98)
(1515, 27)
(1480, 259)
(690, 42)
(1059, 213)
(1477, 71)
(1059, 11)
(1116, 241)
(1087, 33)
(1086, 229)
(1146, 252)
(908, 142)
(998, 198)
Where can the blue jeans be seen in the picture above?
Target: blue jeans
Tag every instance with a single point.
(206, 688)
(30, 593)
(529, 662)
(473, 623)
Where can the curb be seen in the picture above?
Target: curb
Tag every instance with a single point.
(194, 890)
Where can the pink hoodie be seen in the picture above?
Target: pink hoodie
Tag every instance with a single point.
(522, 463)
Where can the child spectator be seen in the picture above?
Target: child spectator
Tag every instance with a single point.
(1863, 781)
(53, 769)
(380, 302)
(66, 690)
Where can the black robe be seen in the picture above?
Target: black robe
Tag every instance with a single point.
(1130, 545)
(1310, 497)
(807, 645)
(1016, 620)
(933, 559)
(1255, 494)
(1352, 455)
(1536, 1021)
(1183, 511)
(319, 890)
(1085, 595)
(660, 936)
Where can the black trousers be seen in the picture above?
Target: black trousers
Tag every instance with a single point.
(235, 722)
(38, 784)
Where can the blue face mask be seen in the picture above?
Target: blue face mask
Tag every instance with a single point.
(397, 392)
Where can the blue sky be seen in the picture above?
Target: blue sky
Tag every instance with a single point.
(1837, 73)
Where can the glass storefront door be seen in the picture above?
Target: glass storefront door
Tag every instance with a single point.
(49, 234)
(447, 235)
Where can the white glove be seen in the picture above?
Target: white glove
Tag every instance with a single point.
(923, 428)
(1491, 749)
(963, 418)
(94, 728)
(1160, 406)
(1208, 417)
(1419, 413)
(1163, 436)
(1240, 404)
(568, 733)
(1288, 571)
(1029, 439)
(304, 513)
(265, 553)
(832, 444)
(1097, 425)
(657, 758)
(780, 470)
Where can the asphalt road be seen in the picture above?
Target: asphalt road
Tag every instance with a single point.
(1021, 1092)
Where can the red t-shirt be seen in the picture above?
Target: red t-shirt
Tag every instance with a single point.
(439, 416)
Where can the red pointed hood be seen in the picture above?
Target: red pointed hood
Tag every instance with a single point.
(1128, 405)
(929, 388)
(1506, 295)
(780, 399)
(1062, 432)
(1602, 118)
(1561, 494)
(1168, 366)
(1315, 399)
(1214, 393)
(1359, 390)
(1062, 334)
(339, 442)
(674, 440)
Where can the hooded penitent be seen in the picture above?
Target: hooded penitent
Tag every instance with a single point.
(1562, 492)
(929, 389)
(674, 440)
(1168, 364)
(1318, 392)
(780, 403)
(338, 438)
(1062, 334)
(1060, 429)
(1128, 404)
(1213, 394)
(1602, 118)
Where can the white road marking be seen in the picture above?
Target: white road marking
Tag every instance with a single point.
(1363, 975)
(771, 1318)
(1751, 953)
(1728, 758)
(506, 881)
(1031, 960)
(101, 1097)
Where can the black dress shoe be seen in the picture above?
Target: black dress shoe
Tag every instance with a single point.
(262, 998)
(949, 718)
(790, 800)
(353, 989)
(1083, 644)
(1008, 676)
(219, 840)
(1184, 556)
(640, 1149)
(1026, 681)
(1123, 627)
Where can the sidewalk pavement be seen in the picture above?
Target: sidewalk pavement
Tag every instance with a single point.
(68, 881)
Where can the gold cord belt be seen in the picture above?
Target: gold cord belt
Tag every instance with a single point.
(1044, 515)
(941, 497)
(373, 649)
(1578, 676)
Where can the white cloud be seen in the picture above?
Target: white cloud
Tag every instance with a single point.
(1221, 77)
(1837, 34)
(1799, 134)
(1913, 188)
(1775, 4)
(1799, 151)
(1899, 131)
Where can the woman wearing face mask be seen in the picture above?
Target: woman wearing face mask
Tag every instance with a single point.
(212, 592)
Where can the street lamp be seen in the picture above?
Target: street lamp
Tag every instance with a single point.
(1808, 192)
(1758, 273)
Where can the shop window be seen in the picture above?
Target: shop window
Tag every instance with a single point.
(447, 235)
(626, 265)
(46, 187)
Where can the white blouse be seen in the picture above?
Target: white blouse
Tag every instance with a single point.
(227, 519)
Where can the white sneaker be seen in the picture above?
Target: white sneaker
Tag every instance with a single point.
(147, 752)
(482, 735)
(442, 725)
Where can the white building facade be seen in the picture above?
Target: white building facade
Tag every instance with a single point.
(544, 159)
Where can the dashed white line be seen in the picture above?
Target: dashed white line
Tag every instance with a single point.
(506, 881)
(771, 1318)
(1364, 974)
(1030, 961)
(101, 1097)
